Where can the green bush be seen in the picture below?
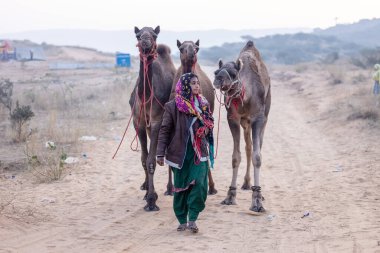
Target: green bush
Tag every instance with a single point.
(19, 117)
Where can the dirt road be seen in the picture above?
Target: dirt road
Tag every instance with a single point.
(322, 194)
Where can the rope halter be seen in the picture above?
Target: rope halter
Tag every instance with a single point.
(236, 89)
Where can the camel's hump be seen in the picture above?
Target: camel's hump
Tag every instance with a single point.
(163, 49)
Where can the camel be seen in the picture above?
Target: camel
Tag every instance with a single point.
(188, 54)
(246, 86)
(152, 88)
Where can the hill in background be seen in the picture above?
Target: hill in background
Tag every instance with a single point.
(326, 45)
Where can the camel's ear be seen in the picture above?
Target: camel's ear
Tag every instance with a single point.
(197, 46)
(220, 63)
(239, 64)
(137, 30)
(179, 43)
(157, 30)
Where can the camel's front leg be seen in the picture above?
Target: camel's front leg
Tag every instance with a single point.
(144, 153)
(152, 196)
(257, 198)
(234, 125)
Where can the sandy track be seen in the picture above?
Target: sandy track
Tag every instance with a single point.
(98, 208)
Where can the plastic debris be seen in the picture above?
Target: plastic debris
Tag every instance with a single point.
(88, 138)
(305, 214)
(338, 168)
(50, 145)
(270, 217)
(70, 160)
(48, 200)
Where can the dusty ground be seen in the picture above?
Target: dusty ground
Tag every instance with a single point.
(312, 164)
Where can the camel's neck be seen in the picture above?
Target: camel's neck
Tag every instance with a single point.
(188, 66)
(145, 78)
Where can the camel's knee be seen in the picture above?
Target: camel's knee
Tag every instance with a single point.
(151, 168)
(256, 160)
(236, 161)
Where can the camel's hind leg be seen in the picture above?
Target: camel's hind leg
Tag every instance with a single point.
(257, 132)
(236, 158)
(245, 123)
(169, 186)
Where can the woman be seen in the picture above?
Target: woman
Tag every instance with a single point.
(186, 141)
(376, 78)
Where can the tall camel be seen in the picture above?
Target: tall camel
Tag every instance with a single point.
(189, 63)
(153, 88)
(246, 86)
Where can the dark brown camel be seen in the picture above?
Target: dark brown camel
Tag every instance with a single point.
(246, 86)
(153, 88)
(188, 54)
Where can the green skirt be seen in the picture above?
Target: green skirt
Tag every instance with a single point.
(190, 187)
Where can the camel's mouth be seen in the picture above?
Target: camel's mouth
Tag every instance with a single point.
(225, 88)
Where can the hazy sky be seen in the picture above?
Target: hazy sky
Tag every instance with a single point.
(176, 15)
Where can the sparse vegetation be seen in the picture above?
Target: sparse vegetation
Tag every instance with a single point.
(367, 58)
(46, 163)
(6, 91)
(336, 74)
(20, 116)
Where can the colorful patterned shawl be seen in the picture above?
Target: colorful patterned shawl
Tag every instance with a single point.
(185, 103)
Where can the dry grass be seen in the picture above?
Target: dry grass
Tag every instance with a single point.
(13, 209)
(67, 105)
(337, 74)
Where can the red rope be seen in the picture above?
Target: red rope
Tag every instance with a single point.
(217, 135)
(126, 129)
(235, 102)
(146, 63)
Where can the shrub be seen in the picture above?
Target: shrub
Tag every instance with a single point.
(19, 117)
(6, 90)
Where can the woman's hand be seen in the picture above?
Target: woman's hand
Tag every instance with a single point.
(160, 160)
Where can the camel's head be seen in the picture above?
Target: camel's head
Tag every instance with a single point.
(227, 75)
(188, 51)
(146, 38)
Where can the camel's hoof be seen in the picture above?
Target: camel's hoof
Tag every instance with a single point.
(151, 208)
(228, 201)
(257, 209)
(168, 193)
(143, 187)
(246, 186)
(212, 191)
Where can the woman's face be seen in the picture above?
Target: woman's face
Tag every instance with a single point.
(195, 85)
